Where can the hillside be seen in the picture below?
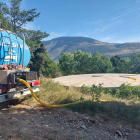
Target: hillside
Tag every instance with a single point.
(57, 46)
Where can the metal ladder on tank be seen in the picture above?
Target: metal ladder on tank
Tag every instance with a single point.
(10, 48)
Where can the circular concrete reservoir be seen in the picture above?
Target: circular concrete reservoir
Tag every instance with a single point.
(108, 80)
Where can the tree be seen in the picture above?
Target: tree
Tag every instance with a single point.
(42, 63)
(106, 65)
(16, 17)
(101, 63)
(33, 39)
(3, 20)
(116, 60)
(4, 23)
(135, 62)
(96, 62)
(125, 65)
(40, 60)
(82, 62)
(66, 63)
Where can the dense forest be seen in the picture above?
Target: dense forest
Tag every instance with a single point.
(83, 63)
(13, 19)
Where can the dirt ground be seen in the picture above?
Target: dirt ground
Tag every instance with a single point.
(22, 122)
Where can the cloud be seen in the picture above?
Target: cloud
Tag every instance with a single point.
(93, 22)
(95, 30)
(85, 34)
(109, 38)
(130, 39)
(114, 38)
(124, 14)
(31, 26)
(106, 39)
(106, 27)
(54, 35)
(110, 25)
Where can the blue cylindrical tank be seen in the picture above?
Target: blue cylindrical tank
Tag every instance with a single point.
(5, 50)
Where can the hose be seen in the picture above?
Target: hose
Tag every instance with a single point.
(47, 105)
(62, 105)
(132, 81)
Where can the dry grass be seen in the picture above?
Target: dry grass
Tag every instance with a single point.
(54, 93)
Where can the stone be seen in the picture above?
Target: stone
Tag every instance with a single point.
(128, 130)
(58, 124)
(119, 133)
(62, 128)
(126, 134)
(83, 126)
(43, 122)
(116, 136)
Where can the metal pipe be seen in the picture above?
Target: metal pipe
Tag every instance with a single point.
(18, 51)
(23, 47)
(0, 22)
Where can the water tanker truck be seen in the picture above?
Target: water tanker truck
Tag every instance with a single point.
(14, 58)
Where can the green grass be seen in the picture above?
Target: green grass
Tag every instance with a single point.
(119, 103)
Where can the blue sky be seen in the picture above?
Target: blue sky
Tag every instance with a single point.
(113, 21)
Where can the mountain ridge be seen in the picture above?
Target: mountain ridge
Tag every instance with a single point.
(57, 46)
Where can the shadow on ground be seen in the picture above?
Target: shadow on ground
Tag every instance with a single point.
(39, 122)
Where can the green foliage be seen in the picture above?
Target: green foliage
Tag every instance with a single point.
(125, 92)
(54, 93)
(94, 91)
(40, 61)
(82, 62)
(85, 89)
(4, 23)
(125, 65)
(72, 44)
(116, 60)
(16, 17)
(135, 62)
(66, 63)
(101, 64)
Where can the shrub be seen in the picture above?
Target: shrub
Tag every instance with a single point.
(125, 92)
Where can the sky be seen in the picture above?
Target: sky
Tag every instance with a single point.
(112, 21)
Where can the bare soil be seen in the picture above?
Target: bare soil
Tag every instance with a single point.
(22, 122)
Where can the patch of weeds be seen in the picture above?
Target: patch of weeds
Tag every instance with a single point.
(94, 91)
(125, 92)
(115, 109)
(85, 89)
(54, 93)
